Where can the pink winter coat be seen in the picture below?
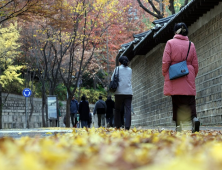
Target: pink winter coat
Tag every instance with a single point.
(175, 52)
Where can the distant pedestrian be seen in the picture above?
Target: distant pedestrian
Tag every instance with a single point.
(110, 104)
(74, 107)
(84, 112)
(182, 90)
(90, 120)
(100, 109)
(58, 116)
(124, 93)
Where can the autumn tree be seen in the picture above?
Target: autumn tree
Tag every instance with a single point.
(77, 39)
(8, 52)
(132, 21)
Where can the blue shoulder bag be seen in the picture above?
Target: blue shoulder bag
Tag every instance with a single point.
(179, 69)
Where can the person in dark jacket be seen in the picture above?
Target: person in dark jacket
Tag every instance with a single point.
(84, 112)
(100, 109)
(74, 107)
(110, 105)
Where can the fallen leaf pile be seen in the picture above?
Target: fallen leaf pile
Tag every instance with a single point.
(92, 149)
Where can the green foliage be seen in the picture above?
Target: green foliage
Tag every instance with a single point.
(91, 95)
(87, 80)
(8, 52)
(13, 87)
(61, 92)
(147, 22)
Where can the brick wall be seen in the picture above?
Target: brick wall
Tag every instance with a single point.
(152, 107)
(14, 112)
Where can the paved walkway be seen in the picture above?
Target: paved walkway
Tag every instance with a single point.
(18, 133)
(43, 132)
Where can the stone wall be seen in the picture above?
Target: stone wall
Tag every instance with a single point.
(152, 108)
(14, 112)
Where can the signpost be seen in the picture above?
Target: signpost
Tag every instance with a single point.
(52, 108)
(27, 93)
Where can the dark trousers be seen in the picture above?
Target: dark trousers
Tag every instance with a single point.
(72, 119)
(184, 108)
(119, 101)
(122, 114)
(101, 120)
(110, 120)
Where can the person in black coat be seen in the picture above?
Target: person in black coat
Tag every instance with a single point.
(84, 112)
(110, 104)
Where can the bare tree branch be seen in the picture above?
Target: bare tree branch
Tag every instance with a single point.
(155, 9)
(6, 4)
(148, 11)
(20, 11)
(171, 6)
(186, 2)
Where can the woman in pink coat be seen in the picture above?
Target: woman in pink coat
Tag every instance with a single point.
(182, 90)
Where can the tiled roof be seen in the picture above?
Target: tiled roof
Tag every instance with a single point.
(163, 30)
(163, 20)
(140, 35)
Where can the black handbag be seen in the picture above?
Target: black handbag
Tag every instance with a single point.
(115, 82)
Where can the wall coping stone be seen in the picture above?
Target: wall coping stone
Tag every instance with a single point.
(205, 18)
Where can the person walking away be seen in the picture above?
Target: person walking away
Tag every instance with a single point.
(90, 119)
(100, 109)
(182, 90)
(74, 107)
(123, 93)
(110, 104)
(84, 112)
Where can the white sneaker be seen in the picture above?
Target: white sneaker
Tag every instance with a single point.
(108, 126)
(178, 129)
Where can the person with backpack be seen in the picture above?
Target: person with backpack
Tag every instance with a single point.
(100, 109)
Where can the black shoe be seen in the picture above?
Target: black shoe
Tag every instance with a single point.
(127, 128)
(195, 125)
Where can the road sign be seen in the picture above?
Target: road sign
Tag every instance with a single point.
(27, 92)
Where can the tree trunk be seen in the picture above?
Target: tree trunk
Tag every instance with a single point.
(31, 111)
(43, 117)
(171, 6)
(161, 6)
(185, 2)
(45, 124)
(94, 83)
(68, 111)
(31, 101)
(1, 104)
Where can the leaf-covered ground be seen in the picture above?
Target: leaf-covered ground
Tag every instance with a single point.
(113, 149)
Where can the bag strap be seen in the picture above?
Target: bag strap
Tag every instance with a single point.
(188, 50)
(103, 104)
(118, 74)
